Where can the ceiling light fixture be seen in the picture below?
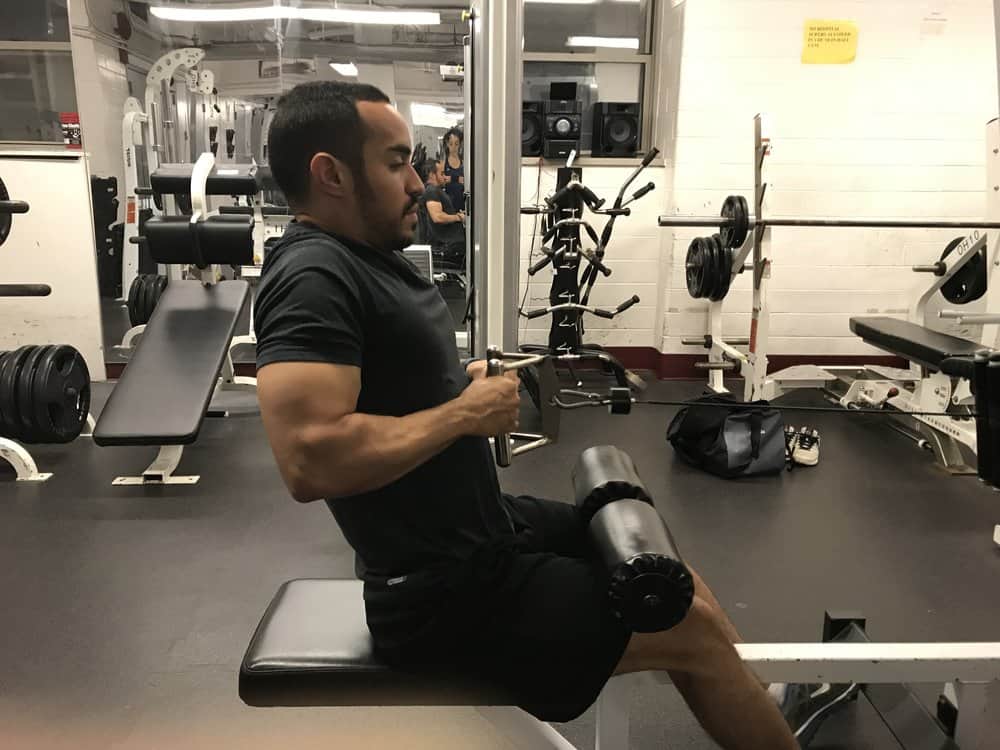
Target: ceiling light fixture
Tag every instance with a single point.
(346, 69)
(613, 42)
(205, 14)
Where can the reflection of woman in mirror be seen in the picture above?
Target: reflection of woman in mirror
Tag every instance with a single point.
(454, 169)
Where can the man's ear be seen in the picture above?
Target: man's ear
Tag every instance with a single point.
(330, 175)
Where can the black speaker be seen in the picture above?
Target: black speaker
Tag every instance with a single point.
(559, 149)
(563, 120)
(532, 128)
(616, 129)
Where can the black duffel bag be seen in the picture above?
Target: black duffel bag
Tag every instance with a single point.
(726, 438)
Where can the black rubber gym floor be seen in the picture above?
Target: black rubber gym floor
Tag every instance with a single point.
(127, 610)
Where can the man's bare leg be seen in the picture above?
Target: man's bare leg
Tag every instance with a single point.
(725, 696)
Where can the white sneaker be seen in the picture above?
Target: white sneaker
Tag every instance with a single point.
(791, 440)
(806, 448)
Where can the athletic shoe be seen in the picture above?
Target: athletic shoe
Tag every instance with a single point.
(806, 707)
(806, 450)
(791, 440)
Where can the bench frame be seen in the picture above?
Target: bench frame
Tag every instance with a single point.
(970, 673)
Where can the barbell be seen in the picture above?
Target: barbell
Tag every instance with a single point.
(735, 221)
(708, 271)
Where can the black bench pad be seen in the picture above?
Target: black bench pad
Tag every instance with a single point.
(313, 648)
(916, 343)
(168, 384)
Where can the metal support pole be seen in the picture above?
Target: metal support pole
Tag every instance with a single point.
(760, 321)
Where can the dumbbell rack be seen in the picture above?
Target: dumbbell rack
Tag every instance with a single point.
(565, 341)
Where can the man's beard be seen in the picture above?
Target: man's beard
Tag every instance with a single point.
(385, 236)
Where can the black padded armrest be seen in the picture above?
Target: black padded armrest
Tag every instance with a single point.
(313, 648)
(167, 386)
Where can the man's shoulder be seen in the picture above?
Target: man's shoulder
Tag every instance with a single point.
(304, 246)
(433, 193)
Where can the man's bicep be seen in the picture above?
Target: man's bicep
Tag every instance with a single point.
(295, 396)
(435, 210)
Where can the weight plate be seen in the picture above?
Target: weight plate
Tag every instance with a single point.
(727, 276)
(5, 219)
(161, 287)
(970, 282)
(723, 275)
(711, 272)
(61, 394)
(30, 431)
(694, 265)
(744, 216)
(133, 300)
(733, 230)
(8, 378)
(140, 301)
(3, 355)
(148, 294)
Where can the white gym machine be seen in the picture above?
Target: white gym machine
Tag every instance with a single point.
(156, 135)
(908, 391)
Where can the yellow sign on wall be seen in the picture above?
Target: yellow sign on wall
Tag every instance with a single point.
(829, 42)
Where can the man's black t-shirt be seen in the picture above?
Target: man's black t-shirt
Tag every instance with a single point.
(443, 234)
(324, 298)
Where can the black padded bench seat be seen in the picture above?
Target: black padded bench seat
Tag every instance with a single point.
(313, 648)
(168, 384)
(916, 343)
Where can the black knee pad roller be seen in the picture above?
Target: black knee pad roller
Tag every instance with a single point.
(650, 589)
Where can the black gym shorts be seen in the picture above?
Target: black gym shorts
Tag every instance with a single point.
(529, 616)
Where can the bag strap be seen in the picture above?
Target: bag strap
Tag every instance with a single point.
(756, 426)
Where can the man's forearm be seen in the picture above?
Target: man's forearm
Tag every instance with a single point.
(363, 452)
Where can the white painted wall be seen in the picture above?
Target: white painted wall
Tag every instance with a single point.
(900, 132)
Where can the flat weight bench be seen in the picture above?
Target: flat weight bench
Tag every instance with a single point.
(313, 647)
(165, 391)
(916, 343)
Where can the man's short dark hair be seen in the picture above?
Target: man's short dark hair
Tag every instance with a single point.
(427, 166)
(320, 116)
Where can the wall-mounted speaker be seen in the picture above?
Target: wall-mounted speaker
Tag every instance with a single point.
(616, 129)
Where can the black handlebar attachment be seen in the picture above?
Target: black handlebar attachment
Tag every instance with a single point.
(653, 153)
(501, 443)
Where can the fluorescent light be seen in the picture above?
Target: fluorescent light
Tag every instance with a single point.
(345, 69)
(564, 2)
(433, 115)
(615, 42)
(203, 14)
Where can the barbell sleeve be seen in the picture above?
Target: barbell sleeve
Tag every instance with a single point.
(13, 207)
(25, 290)
(938, 269)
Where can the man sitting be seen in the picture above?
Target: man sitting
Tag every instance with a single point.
(443, 223)
(367, 407)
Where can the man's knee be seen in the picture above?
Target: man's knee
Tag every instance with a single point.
(694, 646)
